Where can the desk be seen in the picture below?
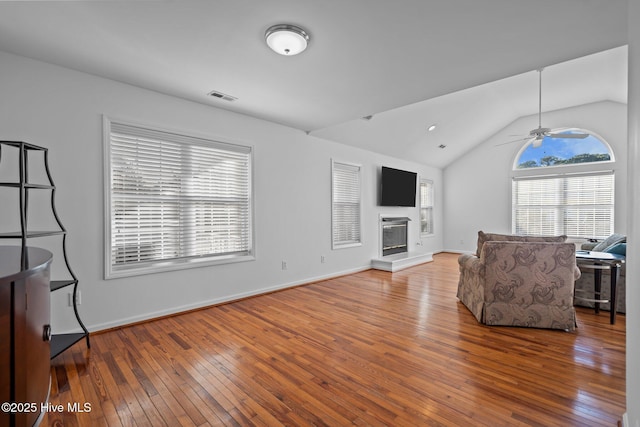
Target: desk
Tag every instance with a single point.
(598, 261)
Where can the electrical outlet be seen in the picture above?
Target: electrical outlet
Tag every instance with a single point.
(322, 259)
(461, 242)
(284, 265)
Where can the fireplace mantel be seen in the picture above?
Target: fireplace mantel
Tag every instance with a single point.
(395, 219)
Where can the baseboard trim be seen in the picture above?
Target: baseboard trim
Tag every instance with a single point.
(116, 324)
(458, 251)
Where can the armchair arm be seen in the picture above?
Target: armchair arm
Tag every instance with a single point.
(471, 284)
(470, 263)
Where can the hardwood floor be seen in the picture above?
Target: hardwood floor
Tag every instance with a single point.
(369, 349)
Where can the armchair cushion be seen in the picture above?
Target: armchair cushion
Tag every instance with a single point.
(588, 246)
(618, 248)
(495, 237)
(609, 241)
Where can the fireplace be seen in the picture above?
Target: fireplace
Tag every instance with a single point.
(394, 235)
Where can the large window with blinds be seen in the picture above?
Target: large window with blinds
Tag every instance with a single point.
(564, 187)
(579, 206)
(174, 201)
(345, 205)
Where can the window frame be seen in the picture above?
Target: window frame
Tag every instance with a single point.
(430, 188)
(564, 171)
(163, 265)
(572, 166)
(335, 243)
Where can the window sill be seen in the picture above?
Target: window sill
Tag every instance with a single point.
(346, 245)
(173, 265)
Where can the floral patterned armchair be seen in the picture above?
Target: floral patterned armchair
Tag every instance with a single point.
(520, 283)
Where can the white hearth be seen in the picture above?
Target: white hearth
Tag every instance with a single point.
(401, 261)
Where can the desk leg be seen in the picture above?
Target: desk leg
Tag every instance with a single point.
(615, 274)
(597, 286)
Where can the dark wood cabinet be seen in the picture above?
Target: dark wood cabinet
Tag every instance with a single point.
(25, 334)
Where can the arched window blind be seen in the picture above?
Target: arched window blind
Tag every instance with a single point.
(175, 201)
(345, 217)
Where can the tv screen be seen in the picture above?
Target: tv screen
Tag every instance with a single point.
(397, 187)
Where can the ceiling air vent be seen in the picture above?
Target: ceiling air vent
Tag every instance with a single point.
(222, 96)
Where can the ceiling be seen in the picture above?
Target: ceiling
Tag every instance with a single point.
(466, 65)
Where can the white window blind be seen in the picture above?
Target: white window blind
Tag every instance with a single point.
(573, 205)
(426, 207)
(175, 200)
(346, 224)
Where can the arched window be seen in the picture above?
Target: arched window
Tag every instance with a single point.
(564, 151)
(564, 186)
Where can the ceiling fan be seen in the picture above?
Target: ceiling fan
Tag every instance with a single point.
(536, 136)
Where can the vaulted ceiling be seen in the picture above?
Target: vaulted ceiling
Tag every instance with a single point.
(466, 65)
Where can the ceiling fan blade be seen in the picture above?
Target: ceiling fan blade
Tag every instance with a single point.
(569, 135)
(512, 141)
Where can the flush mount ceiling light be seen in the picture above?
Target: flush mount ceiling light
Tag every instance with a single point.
(286, 39)
(431, 128)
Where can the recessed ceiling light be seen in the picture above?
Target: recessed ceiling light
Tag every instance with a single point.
(432, 127)
(287, 40)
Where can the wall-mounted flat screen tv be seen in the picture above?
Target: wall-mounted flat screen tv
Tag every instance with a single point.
(397, 187)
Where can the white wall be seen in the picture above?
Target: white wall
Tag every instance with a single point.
(477, 186)
(62, 109)
(633, 259)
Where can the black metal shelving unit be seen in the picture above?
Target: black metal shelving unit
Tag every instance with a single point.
(59, 342)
